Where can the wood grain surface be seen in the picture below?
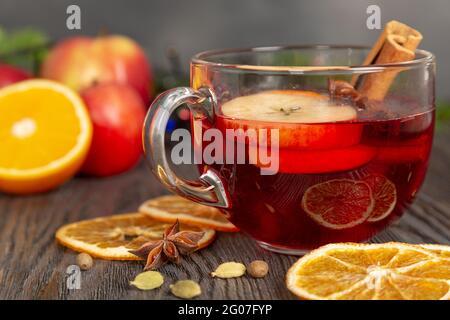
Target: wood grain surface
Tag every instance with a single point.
(33, 266)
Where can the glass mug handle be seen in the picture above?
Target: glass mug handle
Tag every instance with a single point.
(209, 189)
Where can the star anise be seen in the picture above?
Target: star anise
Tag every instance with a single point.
(173, 244)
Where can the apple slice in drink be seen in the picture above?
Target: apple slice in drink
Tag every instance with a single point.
(314, 135)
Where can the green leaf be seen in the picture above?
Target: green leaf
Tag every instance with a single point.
(443, 111)
(25, 47)
(20, 40)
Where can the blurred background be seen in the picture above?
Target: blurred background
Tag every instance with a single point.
(192, 26)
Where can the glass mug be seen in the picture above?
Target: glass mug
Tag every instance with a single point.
(347, 165)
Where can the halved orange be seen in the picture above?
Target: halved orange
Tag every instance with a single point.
(338, 203)
(388, 271)
(172, 207)
(112, 237)
(384, 194)
(45, 134)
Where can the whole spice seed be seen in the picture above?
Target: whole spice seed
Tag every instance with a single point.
(173, 244)
(84, 261)
(229, 270)
(186, 289)
(258, 269)
(148, 280)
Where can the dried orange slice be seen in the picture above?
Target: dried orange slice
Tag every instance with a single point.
(339, 203)
(45, 134)
(384, 194)
(172, 207)
(112, 237)
(388, 271)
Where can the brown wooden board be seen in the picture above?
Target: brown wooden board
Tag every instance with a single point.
(33, 265)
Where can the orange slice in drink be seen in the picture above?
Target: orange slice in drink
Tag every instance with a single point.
(388, 271)
(339, 203)
(112, 237)
(172, 207)
(384, 194)
(45, 134)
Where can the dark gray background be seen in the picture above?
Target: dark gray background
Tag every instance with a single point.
(197, 25)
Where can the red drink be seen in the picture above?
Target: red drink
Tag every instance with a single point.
(337, 181)
(328, 143)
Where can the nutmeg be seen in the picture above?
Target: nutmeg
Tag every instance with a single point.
(84, 261)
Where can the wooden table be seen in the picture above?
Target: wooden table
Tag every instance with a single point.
(33, 266)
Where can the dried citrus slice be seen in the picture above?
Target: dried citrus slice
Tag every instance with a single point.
(388, 271)
(170, 208)
(112, 237)
(45, 134)
(441, 250)
(384, 194)
(287, 106)
(339, 203)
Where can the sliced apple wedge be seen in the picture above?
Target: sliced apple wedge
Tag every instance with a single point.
(287, 106)
(304, 119)
(315, 136)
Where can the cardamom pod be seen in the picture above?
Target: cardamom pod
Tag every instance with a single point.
(229, 270)
(185, 289)
(148, 280)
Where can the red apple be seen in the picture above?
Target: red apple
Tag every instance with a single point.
(117, 113)
(10, 74)
(81, 62)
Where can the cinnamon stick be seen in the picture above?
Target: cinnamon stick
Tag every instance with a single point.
(397, 43)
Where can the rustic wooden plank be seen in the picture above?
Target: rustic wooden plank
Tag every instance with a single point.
(32, 265)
